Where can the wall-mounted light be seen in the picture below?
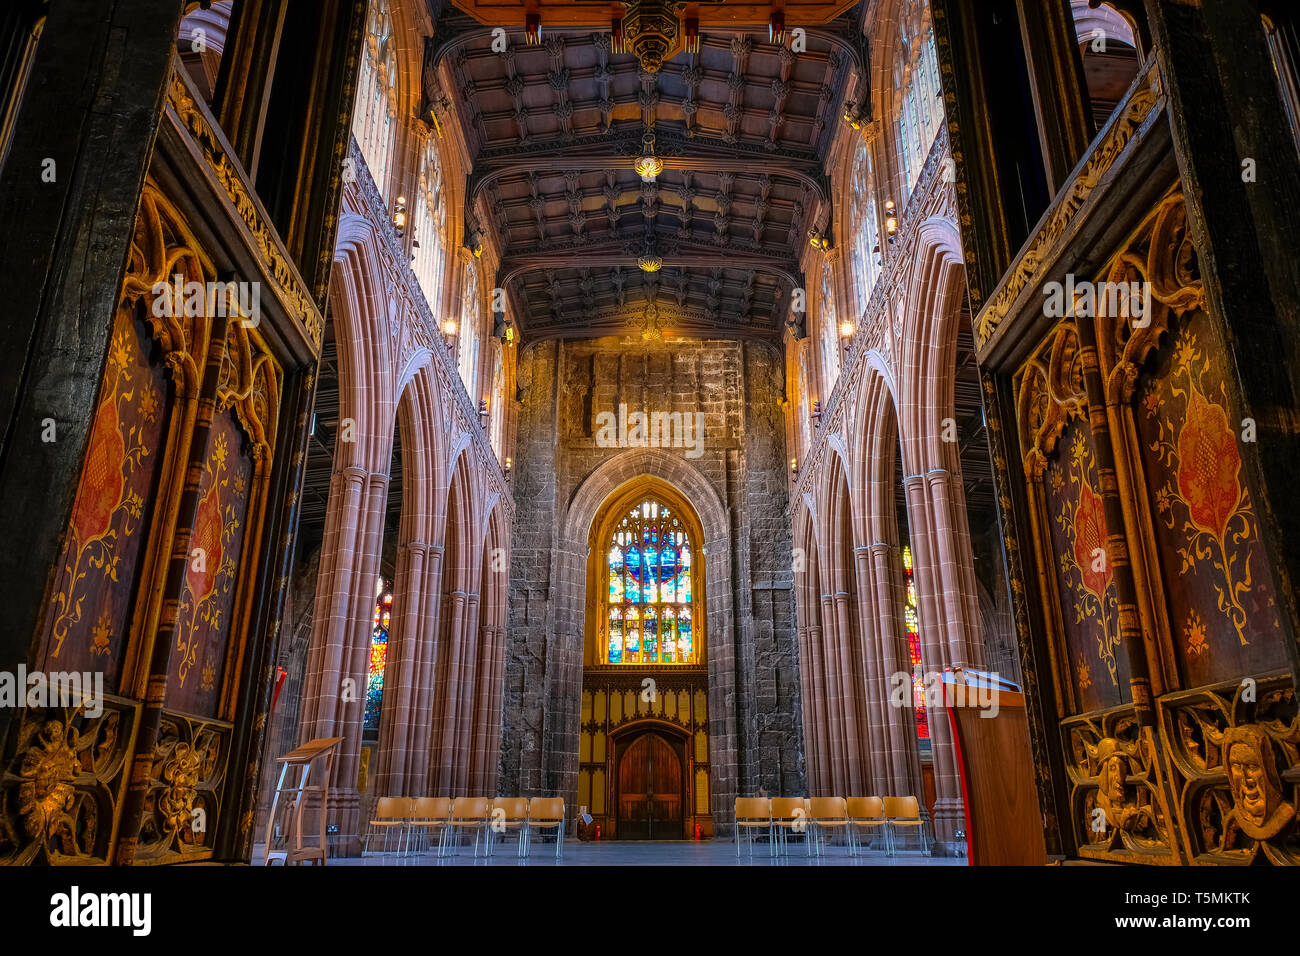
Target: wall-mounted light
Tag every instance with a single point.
(532, 29)
(794, 468)
(399, 216)
(846, 329)
(891, 219)
(508, 465)
(816, 415)
(449, 332)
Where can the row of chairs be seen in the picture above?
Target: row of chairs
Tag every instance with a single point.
(453, 819)
(816, 818)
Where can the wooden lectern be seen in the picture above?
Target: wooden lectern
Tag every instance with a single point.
(301, 758)
(1004, 825)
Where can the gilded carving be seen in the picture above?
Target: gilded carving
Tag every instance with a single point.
(231, 178)
(1069, 201)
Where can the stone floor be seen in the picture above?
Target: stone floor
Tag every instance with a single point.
(682, 853)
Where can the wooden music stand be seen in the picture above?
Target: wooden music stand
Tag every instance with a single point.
(302, 758)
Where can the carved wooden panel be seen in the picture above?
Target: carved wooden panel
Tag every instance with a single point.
(148, 371)
(1060, 459)
(186, 787)
(63, 781)
(617, 706)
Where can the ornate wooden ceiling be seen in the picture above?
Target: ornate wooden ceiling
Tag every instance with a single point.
(742, 127)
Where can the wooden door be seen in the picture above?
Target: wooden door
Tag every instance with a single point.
(650, 790)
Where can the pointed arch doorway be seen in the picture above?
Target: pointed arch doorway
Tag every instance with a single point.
(644, 747)
(650, 783)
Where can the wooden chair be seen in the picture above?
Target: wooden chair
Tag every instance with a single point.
(827, 814)
(467, 813)
(790, 815)
(905, 812)
(430, 813)
(868, 812)
(391, 813)
(545, 813)
(753, 813)
(506, 814)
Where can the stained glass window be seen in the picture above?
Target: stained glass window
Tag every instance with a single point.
(378, 656)
(912, 623)
(650, 594)
(373, 120)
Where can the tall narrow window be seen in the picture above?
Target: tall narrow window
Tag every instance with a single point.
(920, 108)
(830, 332)
(866, 234)
(378, 657)
(430, 226)
(375, 113)
(912, 623)
(497, 405)
(469, 330)
(651, 594)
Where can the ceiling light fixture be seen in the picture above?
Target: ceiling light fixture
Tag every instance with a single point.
(648, 165)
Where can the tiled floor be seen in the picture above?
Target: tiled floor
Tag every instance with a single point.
(684, 853)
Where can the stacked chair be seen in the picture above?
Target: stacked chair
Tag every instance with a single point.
(408, 822)
(819, 818)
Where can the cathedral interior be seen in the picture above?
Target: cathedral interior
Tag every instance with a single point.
(722, 432)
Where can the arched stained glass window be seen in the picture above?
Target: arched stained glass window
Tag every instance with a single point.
(866, 231)
(375, 112)
(920, 106)
(469, 330)
(830, 332)
(650, 597)
(912, 623)
(430, 226)
(378, 656)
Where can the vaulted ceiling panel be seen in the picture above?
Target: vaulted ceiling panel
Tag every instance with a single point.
(741, 127)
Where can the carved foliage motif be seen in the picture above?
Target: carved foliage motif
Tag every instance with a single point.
(186, 786)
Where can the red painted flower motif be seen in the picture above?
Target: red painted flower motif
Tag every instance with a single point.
(1089, 535)
(1208, 464)
(202, 575)
(101, 480)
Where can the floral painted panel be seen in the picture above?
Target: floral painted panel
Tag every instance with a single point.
(103, 548)
(1097, 663)
(1222, 607)
(203, 622)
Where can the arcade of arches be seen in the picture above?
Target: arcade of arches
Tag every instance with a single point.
(652, 413)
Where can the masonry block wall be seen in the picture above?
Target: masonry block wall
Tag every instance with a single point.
(756, 737)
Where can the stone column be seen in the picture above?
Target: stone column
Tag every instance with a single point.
(901, 772)
(875, 676)
(927, 558)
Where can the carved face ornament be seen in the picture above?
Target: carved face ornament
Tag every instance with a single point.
(1258, 807)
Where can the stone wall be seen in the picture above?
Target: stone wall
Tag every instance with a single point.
(736, 479)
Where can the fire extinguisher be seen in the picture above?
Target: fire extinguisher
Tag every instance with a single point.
(697, 831)
(597, 832)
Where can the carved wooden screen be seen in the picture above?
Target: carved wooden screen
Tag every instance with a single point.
(112, 592)
(1215, 779)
